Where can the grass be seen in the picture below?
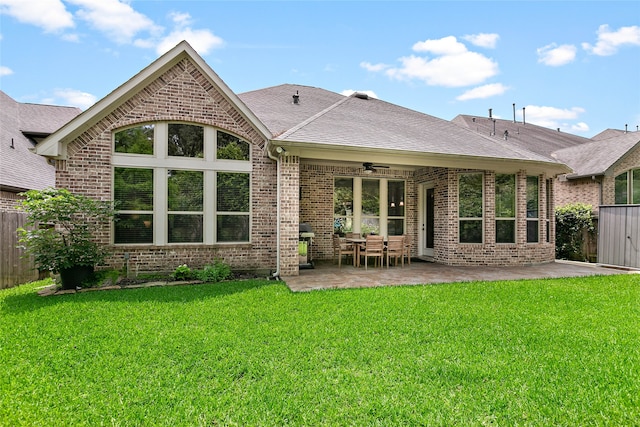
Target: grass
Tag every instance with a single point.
(546, 352)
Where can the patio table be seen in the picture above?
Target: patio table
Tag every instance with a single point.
(358, 242)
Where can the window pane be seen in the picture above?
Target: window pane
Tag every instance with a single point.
(186, 140)
(370, 197)
(138, 140)
(342, 225)
(370, 226)
(505, 196)
(133, 189)
(233, 228)
(636, 186)
(532, 231)
(506, 231)
(395, 197)
(232, 192)
(395, 227)
(470, 195)
(343, 196)
(231, 147)
(471, 231)
(133, 228)
(532, 197)
(185, 228)
(621, 189)
(185, 190)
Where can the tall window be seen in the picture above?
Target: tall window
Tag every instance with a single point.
(505, 208)
(133, 196)
(533, 196)
(180, 183)
(395, 203)
(232, 206)
(185, 206)
(370, 222)
(343, 205)
(470, 207)
(369, 205)
(550, 213)
(627, 187)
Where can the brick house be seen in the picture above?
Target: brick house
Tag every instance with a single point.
(23, 125)
(605, 167)
(201, 173)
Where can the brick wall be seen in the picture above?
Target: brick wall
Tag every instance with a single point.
(583, 190)
(182, 93)
(9, 201)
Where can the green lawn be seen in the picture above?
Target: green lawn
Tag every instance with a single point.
(547, 352)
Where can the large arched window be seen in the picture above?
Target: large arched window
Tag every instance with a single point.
(627, 187)
(180, 183)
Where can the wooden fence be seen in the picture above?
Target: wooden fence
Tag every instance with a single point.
(14, 269)
(619, 235)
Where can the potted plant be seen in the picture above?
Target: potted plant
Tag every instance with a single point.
(60, 230)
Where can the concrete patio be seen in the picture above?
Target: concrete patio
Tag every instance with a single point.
(327, 275)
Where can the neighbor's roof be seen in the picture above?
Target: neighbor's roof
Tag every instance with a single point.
(608, 133)
(598, 157)
(361, 122)
(528, 136)
(23, 125)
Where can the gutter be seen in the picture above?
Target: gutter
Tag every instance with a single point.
(276, 274)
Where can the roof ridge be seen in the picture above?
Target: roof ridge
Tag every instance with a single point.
(312, 118)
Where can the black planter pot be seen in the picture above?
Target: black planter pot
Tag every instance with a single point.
(73, 277)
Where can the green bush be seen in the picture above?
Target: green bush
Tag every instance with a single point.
(183, 272)
(574, 223)
(214, 273)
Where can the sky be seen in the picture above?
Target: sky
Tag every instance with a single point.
(572, 65)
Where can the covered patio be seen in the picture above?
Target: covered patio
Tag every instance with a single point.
(327, 275)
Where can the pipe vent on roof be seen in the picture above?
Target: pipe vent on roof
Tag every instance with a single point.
(361, 95)
(296, 98)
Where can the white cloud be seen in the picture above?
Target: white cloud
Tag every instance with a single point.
(580, 127)
(203, 41)
(482, 92)
(610, 41)
(373, 67)
(463, 69)
(555, 56)
(50, 15)
(75, 98)
(116, 19)
(553, 117)
(349, 92)
(5, 71)
(451, 64)
(444, 46)
(485, 40)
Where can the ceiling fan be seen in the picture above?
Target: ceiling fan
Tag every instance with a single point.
(370, 167)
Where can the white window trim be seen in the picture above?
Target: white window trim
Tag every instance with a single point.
(161, 163)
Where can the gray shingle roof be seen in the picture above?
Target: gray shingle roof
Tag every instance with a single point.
(528, 136)
(20, 169)
(327, 118)
(597, 157)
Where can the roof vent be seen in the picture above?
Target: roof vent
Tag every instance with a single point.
(296, 98)
(361, 95)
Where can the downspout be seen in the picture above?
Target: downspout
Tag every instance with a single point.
(276, 274)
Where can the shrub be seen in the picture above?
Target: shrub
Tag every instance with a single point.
(214, 273)
(574, 223)
(182, 272)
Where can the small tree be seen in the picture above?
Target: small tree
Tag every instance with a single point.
(60, 228)
(574, 222)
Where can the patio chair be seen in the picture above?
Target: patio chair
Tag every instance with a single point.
(374, 248)
(407, 248)
(341, 248)
(395, 249)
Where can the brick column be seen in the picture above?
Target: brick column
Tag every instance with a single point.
(289, 215)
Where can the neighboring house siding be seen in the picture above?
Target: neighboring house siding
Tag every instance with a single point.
(180, 94)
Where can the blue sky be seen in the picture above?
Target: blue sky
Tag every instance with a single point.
(572, 65)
